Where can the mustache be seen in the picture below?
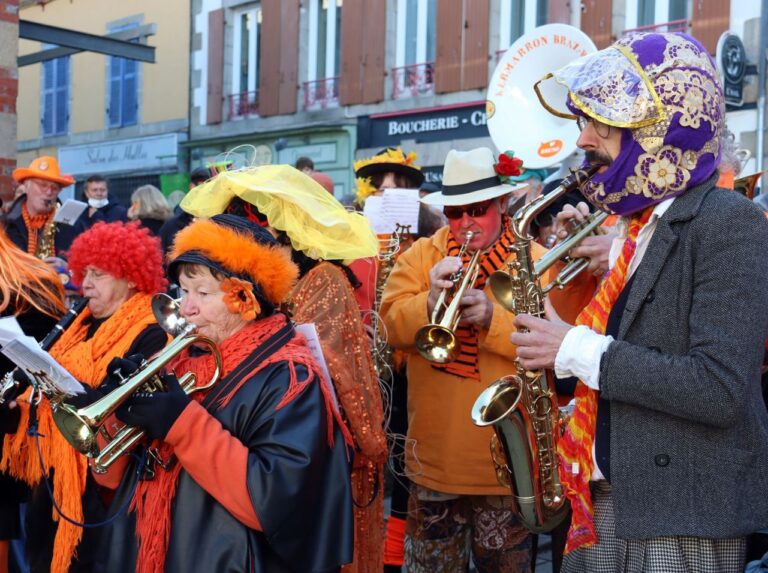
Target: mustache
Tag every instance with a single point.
(595, 157)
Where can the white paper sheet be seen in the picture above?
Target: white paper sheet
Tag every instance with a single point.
(70, 211)
(395, 207)
(25, 352)
(309, 332)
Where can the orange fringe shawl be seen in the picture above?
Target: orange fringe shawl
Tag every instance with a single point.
(87, 361)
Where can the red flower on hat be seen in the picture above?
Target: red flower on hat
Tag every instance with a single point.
(508, 165)
(239, 298)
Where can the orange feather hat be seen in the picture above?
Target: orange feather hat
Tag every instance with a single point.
(237, 247)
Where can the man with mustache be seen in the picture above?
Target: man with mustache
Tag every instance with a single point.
(665, 459)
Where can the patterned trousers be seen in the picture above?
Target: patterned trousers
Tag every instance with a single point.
(442, 531)
(657, 555)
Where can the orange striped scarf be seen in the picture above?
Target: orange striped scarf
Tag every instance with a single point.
(87, 361)
(33, 225)
(493, 259)
(575, 446)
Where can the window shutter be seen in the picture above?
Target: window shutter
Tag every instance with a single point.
(450, 19)
(352, 48)
(115, 91)
(130, 89)
(596, 16)
(558, 11)
(47, 120)
(374, 47)
(62, 95)
(475, 67)
(709, 21)
(215, 89)
(289, 55)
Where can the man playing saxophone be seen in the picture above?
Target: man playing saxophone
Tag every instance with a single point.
(455, 495)
(666, 455)
(29, 222)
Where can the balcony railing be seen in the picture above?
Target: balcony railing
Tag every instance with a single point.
(413, 80)
(321, 94)
(672, 26)
(243, 105)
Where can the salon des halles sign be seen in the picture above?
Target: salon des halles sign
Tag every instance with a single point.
(150, 153)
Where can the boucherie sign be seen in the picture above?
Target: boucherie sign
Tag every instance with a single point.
(425, 125)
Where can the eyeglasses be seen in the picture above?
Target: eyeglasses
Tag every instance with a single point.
(602, 129)
(473, 210)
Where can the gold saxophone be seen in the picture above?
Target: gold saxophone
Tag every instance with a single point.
(522, 407)
(388, 248)
(46, 240)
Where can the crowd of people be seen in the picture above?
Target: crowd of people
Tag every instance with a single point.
(288, 388)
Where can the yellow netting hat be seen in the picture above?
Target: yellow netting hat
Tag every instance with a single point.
(315, 222)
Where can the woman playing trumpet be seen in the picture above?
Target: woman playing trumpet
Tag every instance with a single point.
(255, 471)
(119, 267)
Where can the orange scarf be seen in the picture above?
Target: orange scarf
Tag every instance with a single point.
(87, 361)
(153, 500)
(493, 259)
(33, 225)
(575, 446)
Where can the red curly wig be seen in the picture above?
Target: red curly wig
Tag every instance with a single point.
(124, 250)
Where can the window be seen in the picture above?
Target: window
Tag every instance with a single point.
(55, 97)
(656, 15)
(646, 12)
(678, 10)
(244, 100)
(321, 88)
(123, 87)
(416, 42)
(519, 17)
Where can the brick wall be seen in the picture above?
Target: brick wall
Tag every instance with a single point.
(9, 88)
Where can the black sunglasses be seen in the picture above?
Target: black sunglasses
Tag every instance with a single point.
(473, 210)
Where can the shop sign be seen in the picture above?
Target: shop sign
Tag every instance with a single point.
(732, 62)
(439, 124)
(143, 154)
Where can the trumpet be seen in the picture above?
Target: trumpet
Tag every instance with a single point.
(82, 426)
(437, 341)
(10, 387)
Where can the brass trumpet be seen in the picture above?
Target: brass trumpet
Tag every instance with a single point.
(82, 426)
(437, 341)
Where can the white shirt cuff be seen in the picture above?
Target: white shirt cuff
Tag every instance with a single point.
(579, 355)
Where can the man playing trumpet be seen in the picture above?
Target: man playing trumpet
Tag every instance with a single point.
(455, 495)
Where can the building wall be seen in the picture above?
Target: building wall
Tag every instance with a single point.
(164, 85)
(9, 34)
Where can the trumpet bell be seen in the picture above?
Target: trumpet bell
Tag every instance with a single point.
(167, 312)
(76, 429)
(437, 344)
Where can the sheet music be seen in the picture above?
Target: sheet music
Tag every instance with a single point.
(394, 207)
(70, 211)
(309, 332)
(25, 352)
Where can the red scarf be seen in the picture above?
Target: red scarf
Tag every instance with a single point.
(493, 259)
(153, 500)
(575, 446)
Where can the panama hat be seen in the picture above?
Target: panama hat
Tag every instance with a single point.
(45, 167)
(469, 177)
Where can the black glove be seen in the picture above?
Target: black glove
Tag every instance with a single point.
(119, 369)
(86, 398)
(9, 421)
(155, 412)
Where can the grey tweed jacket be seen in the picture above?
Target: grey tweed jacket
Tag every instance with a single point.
(689, 430)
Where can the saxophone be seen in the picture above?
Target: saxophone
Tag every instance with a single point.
(46, 241)
(522, 407)
(389, 246)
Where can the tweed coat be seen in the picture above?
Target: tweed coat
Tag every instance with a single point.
(689, 430)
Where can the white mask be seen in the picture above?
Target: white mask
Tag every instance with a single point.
(98, 203)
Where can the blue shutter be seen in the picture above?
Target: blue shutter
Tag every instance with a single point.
(48, 98)
(130, 92)
(62, 96)
(115, 103)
